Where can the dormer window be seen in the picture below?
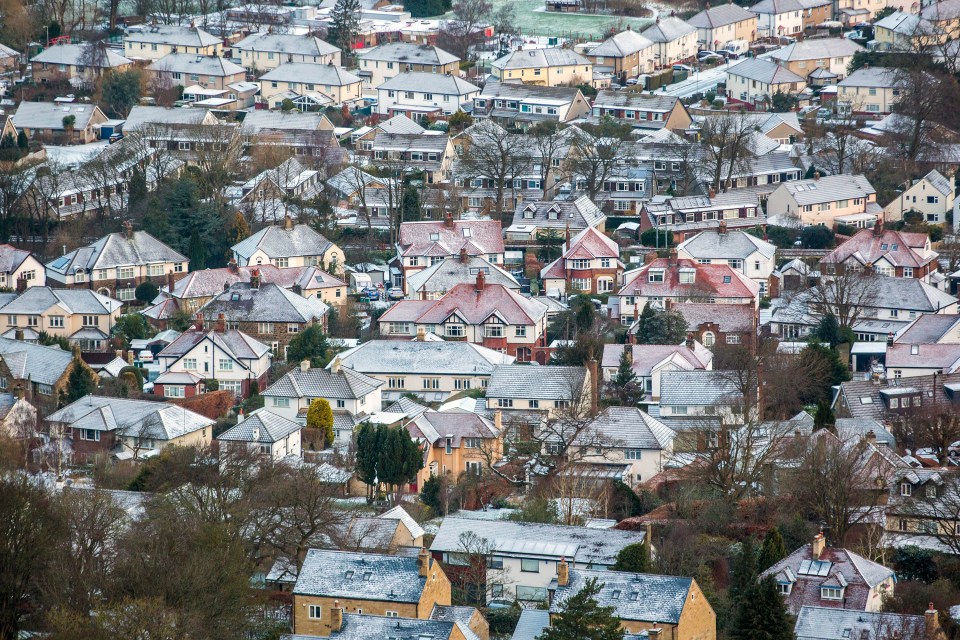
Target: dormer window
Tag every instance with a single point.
(655, 275)
(784, 588)
(831, 593)
(906, 489)
(931, 491)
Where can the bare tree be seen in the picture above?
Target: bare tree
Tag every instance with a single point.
(465, 30)
(932, 426)
(726, 147)
(848, 294)
(835, 146)
(597, 151)
(548, 143)
(496, 154)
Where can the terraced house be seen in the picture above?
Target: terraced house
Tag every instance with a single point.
(115, 264)
(264, 50)
(152, 42)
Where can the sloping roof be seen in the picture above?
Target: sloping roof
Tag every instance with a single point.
(668, 29)
(696, 388)
(268, 303)
(140, 418)
(817, 49)
(116, 250)
(535, 540)
(764, 71)
(323, 383)
(829, 188)
(631, 428)
(721, 15)
(49, 115)
(930, 328)
(260, 119)
(621, 45)
(408, 53)
(729, 245)
(540, 58)
(633, 100)
(268, 427)
(646, 357)
(562, 95)
(400, 124)
(429, 83)
(531, 624)
(174, 35)
(558, 214)
(141, 116)
(360, 576)
(326, 74)
(473, 306)
(435, 426)
(364, 627)
(36, 300)
(870, 77)
(826, 623)
(233, 343)
(285, 43)
(899, 248)
(908, 24)
(279, 242)
(545, 383)
(478, 237)
(399, 513)
(731, 318)
(43, 365)
(710, 280)
(200, 65)
(635, 596)
(941, 11)
(11, 258)
(383, 357)
(80, 55)
(448, 273)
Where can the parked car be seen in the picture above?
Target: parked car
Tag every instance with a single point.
(395, 293)
(714, 58)
(370, 293)
(683, 67)
(706, 53)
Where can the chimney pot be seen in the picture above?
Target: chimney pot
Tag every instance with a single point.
(818, 547)
(21, 285)
(689, 341)
(304, 365)
(335, 365)
(18, 334)
(563, 573)
(449, 220)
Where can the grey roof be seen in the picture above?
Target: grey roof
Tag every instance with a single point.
(540, 58)
(140, 418)
(817, 49)
(323, 383)
(635, 100)
(10, 257)
(828, 188)
(80, 55)
(529, 91)
(531, 624)
(409, 53)
(696, 388)
(236, 344)
(400, 124)
(259, 119)
(278, 242)
(116, 250)
(361, 576)
(269, 427)
(720, 15)
(519, 381)
(366, 627)
(910, 294)
(729, 245)
(285, 43)
(668, 29)
(141, 116)
(36, 300)
(429, 83)
(325, 74)
(870, 77)
(535, 540)
(764, 71)
(577, 214)
(621, 45)
(446, 274)
(49, 115)
(939, 182)
(443, 358)
(268, 303)
(201, 65)
(905, 23)
(636, 596)
(827, 623)
(631, 428)
(173, 35)
(43, 365)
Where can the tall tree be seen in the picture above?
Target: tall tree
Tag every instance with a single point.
(665, 326)
(497, 155)
(580, 617)
(310, 344)
(744, 572)
(344, 25)
(761, 614)
(464, 30)
(726, 147)
(772, 551)
(81, 381)
(633, 558)
(624, 383)
(598, 151)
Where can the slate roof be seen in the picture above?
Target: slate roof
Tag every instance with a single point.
(863, 398)
(869, 77)
(817, 49)
(729, 245)
(210, 282)
(646, 357)
(236, 344)
(518, 382)
(269, 303)
(79, 55)
(323, 383)
(621, 45)
(720, 15)
(535, 540)
(360, 576)
(668, 29)
(829, 188)
(577, 214)
(764, 71)
(633, 100)
(10, 257)
(631, 428)
(448, 273)
(383, 357)
(36, 300)
(278, 242)
(430, 83)
(200, 65)
(257, 120)
(272, 428)
(472, 306)
(408, 53)
(140, 418)
(325, 74)
(899, 248)
(116, 250)
(141, 116)
(400, 124)
(399, 513)
(731, 318)
(859, 574)
(174, 35)
(49, 115)
(699, 388)
(825, 623)
(540, 58)
(364, 627)
(562, 95)
(531, 624)
(930, 328)
(910, 294)
(636, 596)
(285, 43)
(905, 23)
(435, 426)
(43, 365)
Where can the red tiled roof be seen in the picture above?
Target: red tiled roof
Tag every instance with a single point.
(730, 318)
(435, 238)
(711, 280)
(899, 248)
(471, 305)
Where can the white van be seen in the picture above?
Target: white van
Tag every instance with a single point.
(737, 47)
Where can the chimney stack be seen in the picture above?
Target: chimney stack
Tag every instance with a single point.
(449, 220)
(816, 175)
(170, 282)
(628, 352)
(421, 334)
(712, 193)
(655, 632)
(221, 325)
(463, 255)
(689, 341)
(423, 563)
(335, 365)
(304, 365)
(233, 266)
(336, 616)
(931, 623)
(498, 420)
(241, 417)
(890, 337)
(128, 229)
(649, 257)
(878, 227)
(287, 223)
(198, 321)
(255, 279)
(871, 437)
(18, 334)
(722, 227)
(563, 573)
(594, 386)
(819, 544)
(21, 285)
(481, 281)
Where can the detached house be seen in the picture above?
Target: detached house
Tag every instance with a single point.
(455, 443)
(718, 25)
(825, 200)
(116, 264)
(748, 254)
(435, 281)
(630, 437)
(201, 357)
(152, 42)
(68, 123)
(264, 50)
(755, 81)
(265, 433)
(649, 361)
(423, 244)
(493, 316)
(346, 390)
(888, 253)
(522, 105)
(551, 390)
(590, 263)
(420, 93)
(290, 245)
(816, 574)
(274, 193)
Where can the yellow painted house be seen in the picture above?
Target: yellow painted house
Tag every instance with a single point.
(546, 67)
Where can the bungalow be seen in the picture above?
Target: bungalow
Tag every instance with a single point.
(420, 93)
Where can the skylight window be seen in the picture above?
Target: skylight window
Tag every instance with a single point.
(884, 246)
(615, 595)
(367, 575)
(348, 575)
(434, 236)
(726, 279)
(866, 400)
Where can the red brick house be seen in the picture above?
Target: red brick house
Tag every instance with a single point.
(422, 244)
(888, 253)
(717, 324)
(590, 264)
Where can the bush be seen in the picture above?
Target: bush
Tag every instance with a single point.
(655, 238)
(146, 292)
(817, 237)
(137, 372)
